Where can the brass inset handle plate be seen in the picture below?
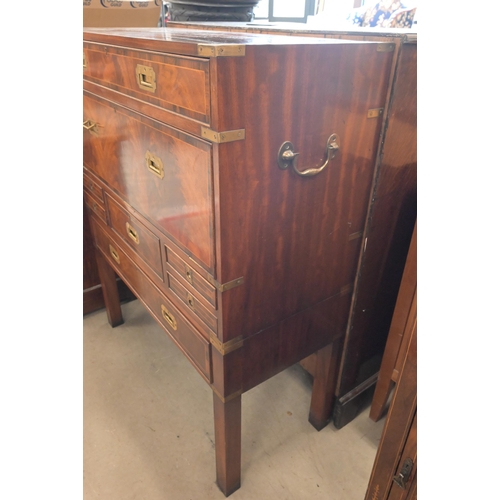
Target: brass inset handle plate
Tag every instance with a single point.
(91, 126)
(154, 164)
(84, 60)
(146, 77)
(168, 317)
(287, 157)
(132, 233)
(114, 254)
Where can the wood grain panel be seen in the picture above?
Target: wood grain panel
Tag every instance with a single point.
(182, 83)
(180, 203)
(298, 229)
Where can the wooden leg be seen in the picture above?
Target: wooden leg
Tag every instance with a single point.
(327, 360)
(227, 419)
(109, 291)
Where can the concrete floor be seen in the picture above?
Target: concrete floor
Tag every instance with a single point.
(148, 426)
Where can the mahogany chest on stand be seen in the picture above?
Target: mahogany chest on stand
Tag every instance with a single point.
(228, 178)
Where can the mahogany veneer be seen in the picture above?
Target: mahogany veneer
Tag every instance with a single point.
(247, 266)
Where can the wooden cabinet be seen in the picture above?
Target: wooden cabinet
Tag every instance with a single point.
(391, 217)
(236, 174)
(394, 474)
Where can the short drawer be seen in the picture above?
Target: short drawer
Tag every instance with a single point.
(192, 302)
(187, 274)
(93, 188)
(95, 205)
(172, 82)
(194, 346)
(136, 235)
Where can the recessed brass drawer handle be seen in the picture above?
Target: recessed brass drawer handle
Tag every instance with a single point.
(154, 164)
(169, 317)
(91, 126)
(132, 233)
(286, 156)
(190, 300)
(146, 77)
(114, 254)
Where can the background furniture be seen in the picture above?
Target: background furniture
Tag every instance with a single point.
(394, 474)
(405, 313)
(239, 226)
(391, 218)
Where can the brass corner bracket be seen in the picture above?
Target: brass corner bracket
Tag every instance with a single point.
(386, 47)
(226, 347)
(226, 286)
(220, 137)
(221, 50)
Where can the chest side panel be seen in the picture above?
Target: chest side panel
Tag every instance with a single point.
(295, 240)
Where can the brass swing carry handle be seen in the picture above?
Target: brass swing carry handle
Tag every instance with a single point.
(286, 156)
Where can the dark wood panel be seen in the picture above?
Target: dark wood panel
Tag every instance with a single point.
(179, 203)
(302, 230)
(389, 231)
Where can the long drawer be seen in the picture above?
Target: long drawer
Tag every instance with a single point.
(163, 173)
(177, 83)
(193, 345)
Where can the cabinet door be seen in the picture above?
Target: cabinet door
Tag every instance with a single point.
(394, 471)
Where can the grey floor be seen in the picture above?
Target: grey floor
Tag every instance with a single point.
(148, 426)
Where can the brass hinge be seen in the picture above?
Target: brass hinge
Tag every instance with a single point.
(220, 137)
(215, 50)
(226, 286)
(375, 113)
(226, 347)
(385, 47)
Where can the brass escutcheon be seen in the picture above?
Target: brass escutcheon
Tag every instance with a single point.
(146, 77)
(154, 164)
(114, 254)
(132, 233)
(168, 317)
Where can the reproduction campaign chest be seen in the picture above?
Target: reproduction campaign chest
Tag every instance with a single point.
(228, 178)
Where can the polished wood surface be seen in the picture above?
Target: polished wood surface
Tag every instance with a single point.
(258, 263)
(180, 203)
(392, 213)
(389, 230)
(182, 84)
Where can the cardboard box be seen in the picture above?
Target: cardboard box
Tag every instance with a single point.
(121, 14)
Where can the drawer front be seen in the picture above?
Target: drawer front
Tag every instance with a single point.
(164, 174)
(187, 275)
(95, 205)
(194, 346)
(139, 238)
(192, 302)
(178, 84)
(93, 188)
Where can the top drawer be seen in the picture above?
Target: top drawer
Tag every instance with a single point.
(177, 83)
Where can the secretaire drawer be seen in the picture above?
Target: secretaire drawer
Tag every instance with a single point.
(196, 347)
(139, 238)
(161, 172)
(177, 83)
(187, 274)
